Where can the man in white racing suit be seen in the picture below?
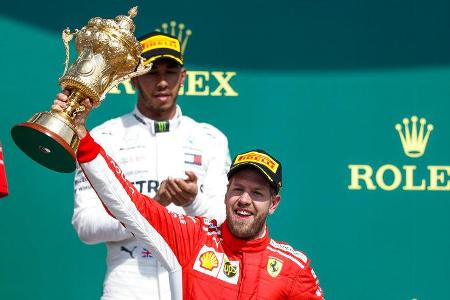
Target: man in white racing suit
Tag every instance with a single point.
(152, 144)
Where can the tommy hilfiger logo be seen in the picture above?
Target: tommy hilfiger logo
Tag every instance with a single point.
(179, 32)
(414, 140)
(193, 159)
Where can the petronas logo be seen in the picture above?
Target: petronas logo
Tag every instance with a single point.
(414, 139)
(178, 30)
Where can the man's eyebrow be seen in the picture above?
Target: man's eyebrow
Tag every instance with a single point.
(236, 184)
(254, 188)
(258, 189)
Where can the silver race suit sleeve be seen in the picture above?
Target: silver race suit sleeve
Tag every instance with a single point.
(90, 220)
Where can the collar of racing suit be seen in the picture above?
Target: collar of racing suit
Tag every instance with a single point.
(238, 245)
(158, 126)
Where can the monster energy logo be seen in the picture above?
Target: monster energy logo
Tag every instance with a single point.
(162, 126)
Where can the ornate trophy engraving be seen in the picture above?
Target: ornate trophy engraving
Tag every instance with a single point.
(108, 53)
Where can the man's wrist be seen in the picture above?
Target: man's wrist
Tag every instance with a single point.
(81, 132)
(161, 201)
(189, 203)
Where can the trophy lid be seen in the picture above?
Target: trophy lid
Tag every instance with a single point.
(101, 32)
(125, 22)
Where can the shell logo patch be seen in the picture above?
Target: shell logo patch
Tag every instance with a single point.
(208, 260)
(274, 266)
(216, 264)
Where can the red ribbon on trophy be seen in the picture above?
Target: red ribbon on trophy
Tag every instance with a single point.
(3, 181)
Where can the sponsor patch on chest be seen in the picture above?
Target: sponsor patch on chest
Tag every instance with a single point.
(193, 159)
(217, 265)
(274, 266)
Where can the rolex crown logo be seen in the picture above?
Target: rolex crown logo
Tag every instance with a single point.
(414, 141)
(183, 34)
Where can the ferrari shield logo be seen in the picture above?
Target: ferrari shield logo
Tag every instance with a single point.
(274, 266)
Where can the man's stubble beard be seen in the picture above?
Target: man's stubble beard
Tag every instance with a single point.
(245, 230)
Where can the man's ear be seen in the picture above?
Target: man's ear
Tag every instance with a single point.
(226, 194)
(183, 76)
(274, 205)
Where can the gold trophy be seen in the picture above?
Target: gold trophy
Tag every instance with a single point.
(108, 53)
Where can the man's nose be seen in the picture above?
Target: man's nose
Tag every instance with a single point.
(162, 82)
(245, 199)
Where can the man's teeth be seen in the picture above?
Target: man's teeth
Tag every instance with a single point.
(243, 212)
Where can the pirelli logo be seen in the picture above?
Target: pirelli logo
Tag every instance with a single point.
(257, 158)
(160, 41)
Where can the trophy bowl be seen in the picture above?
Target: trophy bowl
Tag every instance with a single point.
(108, 53)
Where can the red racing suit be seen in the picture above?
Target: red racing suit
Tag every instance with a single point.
(213, 263)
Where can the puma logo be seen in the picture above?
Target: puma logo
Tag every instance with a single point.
(128, 251)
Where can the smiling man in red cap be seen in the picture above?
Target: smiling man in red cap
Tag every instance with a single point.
(237, 260)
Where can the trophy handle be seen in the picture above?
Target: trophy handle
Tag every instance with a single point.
(67, 36)
(141, 69)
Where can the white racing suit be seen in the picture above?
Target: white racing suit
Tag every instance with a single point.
(148, 152)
